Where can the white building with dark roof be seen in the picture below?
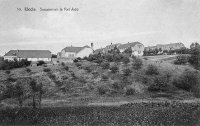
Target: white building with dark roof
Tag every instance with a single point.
(75, 52)
(30, 55)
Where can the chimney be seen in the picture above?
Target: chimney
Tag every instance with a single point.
(92, 46)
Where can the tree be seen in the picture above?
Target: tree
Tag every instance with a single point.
(128, 51)
(126, 60)
(194, 59)
(194, 45)
(137, 64)
(33, 86)
(19, 94)
(40, 89)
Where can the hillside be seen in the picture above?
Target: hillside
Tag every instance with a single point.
(86, 82)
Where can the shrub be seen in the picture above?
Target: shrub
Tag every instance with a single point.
(117, 58)
(46, 69)
(194, 59)
(127, 72)
(159, 84)
(63, 64)
(187, 80)
(102, 89)
(126, 60)
(114, 69)
(99, 60)
(105, 65)
(181, 59)
(7, 65)
(66, 68)
(85, 58)
(130, 91)
(75, 60)
(79, 58)
(7, 72)
(137, 63)
(104, 77)
(52, 76)
(40, 63)
(117, 86)
(10, 79)
(78, 64)
(109, 57)
(152, 70)
(28, 70)
(88, 69)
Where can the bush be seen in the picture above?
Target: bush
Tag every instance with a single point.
(117, 86)
(75, 60)
(114, 69)
(126, 60)
(130, 91)
(78, 64)
(194, 59)
(79, 58)
(66, 68)
(188, 80)
(10, 79)
(127, 72)
(63, 64)
(7, 65)
(137, 63)
(46, 69)
(52, 76)
(88, 69)
(105, 65)
(117, 58)
(7, 72)
(40, 63)
(102, 89)
(28, 70)
(181, 59)
(159, 84)
(152, 70)
(104, 77)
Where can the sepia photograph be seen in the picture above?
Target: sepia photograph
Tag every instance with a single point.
(99, 62)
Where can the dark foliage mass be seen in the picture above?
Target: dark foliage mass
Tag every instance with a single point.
(194, 59)
(151, 114)
(181, 59)
(188, 80)
(152, 70)
(7, 65)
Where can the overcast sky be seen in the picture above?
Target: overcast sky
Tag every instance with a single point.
(150, 22)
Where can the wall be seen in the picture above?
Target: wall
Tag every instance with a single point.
(84, 52)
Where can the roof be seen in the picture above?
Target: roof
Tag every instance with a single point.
(29, 53)
(128, 45)
(74, 49)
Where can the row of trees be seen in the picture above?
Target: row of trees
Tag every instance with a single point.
(7, 65)
(18, 91)
(159, 51)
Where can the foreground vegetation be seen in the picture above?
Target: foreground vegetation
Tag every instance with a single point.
(130, 114)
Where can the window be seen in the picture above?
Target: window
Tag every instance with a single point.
(71, 55)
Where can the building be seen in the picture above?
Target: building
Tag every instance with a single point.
(30, 55)
(137, 48)
(75, 52)
(171, 46)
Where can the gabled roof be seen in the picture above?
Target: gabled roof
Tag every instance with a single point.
(74, 49)
(29, 53)
(128, 45)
